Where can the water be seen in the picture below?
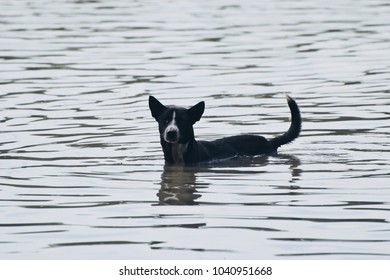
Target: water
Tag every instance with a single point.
(81, 170)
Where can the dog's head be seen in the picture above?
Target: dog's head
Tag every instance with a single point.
(175, 123)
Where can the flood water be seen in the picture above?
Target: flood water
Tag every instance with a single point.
(82, 174)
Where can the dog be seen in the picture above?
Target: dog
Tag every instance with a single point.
(181, 148)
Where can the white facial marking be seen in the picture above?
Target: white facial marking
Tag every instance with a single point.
(172, 127)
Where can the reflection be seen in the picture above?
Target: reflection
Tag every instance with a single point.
(262, 161)
(295, 169)
(180, 184)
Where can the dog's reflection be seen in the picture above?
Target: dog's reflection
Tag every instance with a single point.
(295, 169)
(180, 185)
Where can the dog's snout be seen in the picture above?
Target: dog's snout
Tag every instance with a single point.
(172, 135)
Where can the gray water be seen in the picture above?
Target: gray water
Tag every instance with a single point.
(81, 169)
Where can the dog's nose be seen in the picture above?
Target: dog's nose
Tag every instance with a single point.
(171, 135)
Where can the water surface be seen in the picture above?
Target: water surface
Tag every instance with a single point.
(81, 169)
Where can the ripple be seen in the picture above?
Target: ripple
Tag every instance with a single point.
(80, 160)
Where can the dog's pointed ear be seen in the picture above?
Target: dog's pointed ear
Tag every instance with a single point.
(156, 107)
(196, 111)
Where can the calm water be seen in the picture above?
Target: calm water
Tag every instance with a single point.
(81, 169)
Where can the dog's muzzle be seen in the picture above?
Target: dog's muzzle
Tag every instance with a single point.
(171, 136)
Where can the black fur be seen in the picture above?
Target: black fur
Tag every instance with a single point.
(180, 147)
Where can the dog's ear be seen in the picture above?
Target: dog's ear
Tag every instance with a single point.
(156, 107)
(196, 112)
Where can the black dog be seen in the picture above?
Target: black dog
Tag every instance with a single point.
(181, 148)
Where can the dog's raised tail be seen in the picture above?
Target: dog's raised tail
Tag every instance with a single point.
(295, 127)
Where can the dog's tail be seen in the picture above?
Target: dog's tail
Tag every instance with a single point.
(295, 127)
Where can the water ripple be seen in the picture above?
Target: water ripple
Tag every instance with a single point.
(80, 161)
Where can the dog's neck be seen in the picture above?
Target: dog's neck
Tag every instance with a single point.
(175, 153)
